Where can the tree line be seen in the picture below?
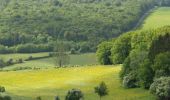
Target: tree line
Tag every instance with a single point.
(83, 22)
(145, 56)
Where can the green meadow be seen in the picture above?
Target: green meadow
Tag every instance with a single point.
(27, 85)
(158, 18)
(75, 60)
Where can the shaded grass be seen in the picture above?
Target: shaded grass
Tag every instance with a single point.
(22, 55)
(26, 85)
(159, 18)
(81, 60)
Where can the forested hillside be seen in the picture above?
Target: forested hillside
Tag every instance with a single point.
(84, 22)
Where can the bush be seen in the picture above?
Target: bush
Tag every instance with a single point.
(2, 89)
(51, 54)
(2, 63)
(38, 98)
(33, 48)
(101, 90)
(29, 58)
(145, 74)
(121, 48)
(72, 51)
(7, 98)
(161, 88)
(20, 60)
(9, 62)
(4, 50)
(74, 94)
(130, 81)
(104, 53)
(162, 64)
(126, 68)
(57, 98)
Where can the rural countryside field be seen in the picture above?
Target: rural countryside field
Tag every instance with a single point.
(40, 70)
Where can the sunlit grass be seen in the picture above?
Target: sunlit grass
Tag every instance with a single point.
(159, 18)
(26, 85)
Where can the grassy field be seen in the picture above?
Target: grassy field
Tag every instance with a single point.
(158, 18)
(26, 85)
(22, 55)
(81, 59)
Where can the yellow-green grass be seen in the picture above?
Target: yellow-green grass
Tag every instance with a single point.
(81, 59)
(26, 85)
(158, 18)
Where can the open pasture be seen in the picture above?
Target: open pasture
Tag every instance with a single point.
(27, 85)
(158, 18)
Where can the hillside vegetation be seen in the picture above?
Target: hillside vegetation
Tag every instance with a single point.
(84, 22)
(145, 55)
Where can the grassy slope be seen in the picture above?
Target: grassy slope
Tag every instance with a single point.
(160, 17)
(49, 83)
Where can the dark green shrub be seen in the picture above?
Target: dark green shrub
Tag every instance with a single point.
(161, 65)
(29, 58)
(2, 63)
(9, 62)
(20, 60)
(57, 98)
(125, 68)
(38, 98)
(2, 89)
(121, 48)
(72, 51)
(74, 94)
(7, 98)
(130, 80)
(161, 88)
(145, 74)
(101, 90)
(1, 98)
(160, 45)
(104, 53)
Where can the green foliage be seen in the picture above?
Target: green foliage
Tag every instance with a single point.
(61, 57)
(130, 80)
(103, 53)
(74, 94)
(38, 98)
(121, 48)
(137, 51)
(33, 48)
(161, 44)
(161, 65)
(90, 21)
(161, 88)
(57, 98)
(126, 68)
(2, 63)
(101, 90)
(145, 74)
(5, 98)
(2, 89)
(137, 68)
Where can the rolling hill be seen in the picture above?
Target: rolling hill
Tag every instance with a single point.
(89, 21)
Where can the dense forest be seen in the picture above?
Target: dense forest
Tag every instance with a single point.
(145, 57)
(82, 24)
